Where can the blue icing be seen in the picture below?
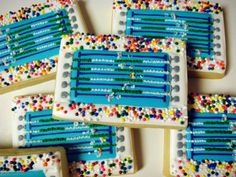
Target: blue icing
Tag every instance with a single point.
(195, 28)
(41, 130)
(204, 132)
(121, 65)
(39, 173)
(38, 37)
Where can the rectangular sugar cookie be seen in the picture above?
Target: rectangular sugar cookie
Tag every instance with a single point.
(125, 81)
(207, 146)
(30, 42)
(199, 23)
(105, 148)
(38, 162)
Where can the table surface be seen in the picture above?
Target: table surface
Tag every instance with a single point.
(98, 17)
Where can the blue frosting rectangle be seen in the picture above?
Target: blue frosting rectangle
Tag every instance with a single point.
(38, 173)
(124, 78)
(195, 28)
(211, 136)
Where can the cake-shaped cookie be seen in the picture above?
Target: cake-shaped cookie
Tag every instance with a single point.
(207, 146)
(30, 42)
(199, 23)
(125, 81)
(92, 150)
(38, 162)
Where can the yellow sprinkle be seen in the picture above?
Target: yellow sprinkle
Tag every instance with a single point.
(123, 119)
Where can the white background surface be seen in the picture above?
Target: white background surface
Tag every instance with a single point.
(148, 142)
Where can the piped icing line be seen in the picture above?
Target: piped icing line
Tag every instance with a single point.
(207, 146)
(47, 160)
(32, 45)
(162, 79)
(163, 18)
(95, 137)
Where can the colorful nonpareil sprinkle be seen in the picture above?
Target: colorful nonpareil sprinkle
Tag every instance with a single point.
(102, 168)
(114, 42)
(212, 103)
(123, 113)
(186, 5)
(29, 162)
(206, 168)
(30, 70)
(35, 103)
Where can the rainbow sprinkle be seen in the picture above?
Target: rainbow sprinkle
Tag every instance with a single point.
(30, 70)
(28, 163)
(184, 5)
(102, 168)
(112, 42)
(212, 103)
(36, 103)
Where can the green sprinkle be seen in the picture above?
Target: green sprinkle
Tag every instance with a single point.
(127, 91)
(60, 18)
(129, 61)
(53, 139)
(48, 120)
(129, 70)
(219, 149)
(153, 19)
(216, 123)
(26, 52)
(127, 80)
(218, 132)
(81, 89)
(103, 145)
(80, 78)
(219, 140)
(154, 28)
(81, 69)
(103, 135)
(51, 129)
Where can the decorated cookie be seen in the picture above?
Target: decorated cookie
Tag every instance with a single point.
(207, 147)
(199, 23)
(38, 162)
(30, 41)
(108, 79)
(92, 150)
